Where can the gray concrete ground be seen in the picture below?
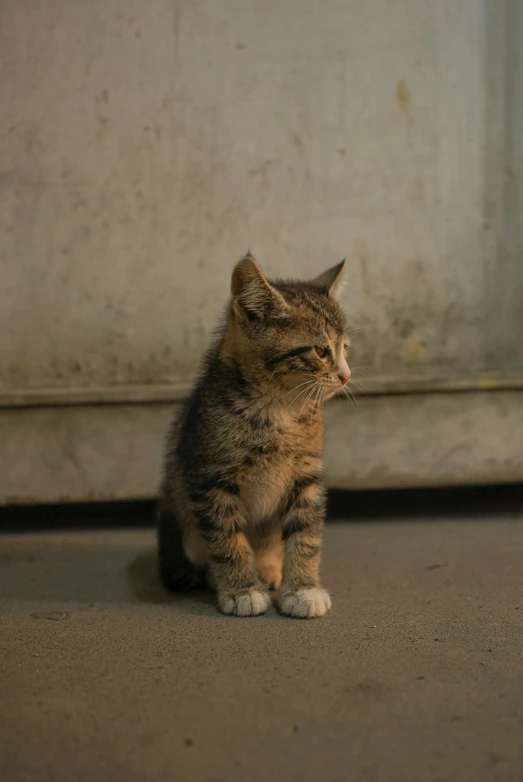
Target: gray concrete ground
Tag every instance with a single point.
(416, 675)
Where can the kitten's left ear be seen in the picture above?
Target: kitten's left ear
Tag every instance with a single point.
(253, 295)
(330, 282)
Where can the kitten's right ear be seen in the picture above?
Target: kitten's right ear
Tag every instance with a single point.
(331, 282)
(252, 294)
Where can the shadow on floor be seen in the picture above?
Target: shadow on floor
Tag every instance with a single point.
(89, 574)
(142, 577)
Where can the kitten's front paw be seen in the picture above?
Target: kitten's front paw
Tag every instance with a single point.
(250, 604)
(306, 603)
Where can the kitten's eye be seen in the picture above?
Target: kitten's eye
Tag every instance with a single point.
(321, 351)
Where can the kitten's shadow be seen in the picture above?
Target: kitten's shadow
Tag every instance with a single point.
(142, 577)
(143, 580)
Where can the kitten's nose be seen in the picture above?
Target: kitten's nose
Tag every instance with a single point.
(344, 376)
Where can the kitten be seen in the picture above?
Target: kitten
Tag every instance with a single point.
(242, 498)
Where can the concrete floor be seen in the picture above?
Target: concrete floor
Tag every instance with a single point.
(416, 675)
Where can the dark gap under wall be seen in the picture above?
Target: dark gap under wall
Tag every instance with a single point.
(351, 506)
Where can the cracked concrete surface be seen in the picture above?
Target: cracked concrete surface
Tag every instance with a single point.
(417, 674)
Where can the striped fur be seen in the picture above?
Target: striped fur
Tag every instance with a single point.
(242, 499)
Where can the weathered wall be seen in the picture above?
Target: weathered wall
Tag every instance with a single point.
(145, 146)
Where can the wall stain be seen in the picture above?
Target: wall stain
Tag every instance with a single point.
(486, 383)
(404, 99)
(362, 257)
(261, 169)
(403, 326)
(413, 349)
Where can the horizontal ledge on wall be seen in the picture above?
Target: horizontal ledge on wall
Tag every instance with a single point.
(103, 453)
(175, 392)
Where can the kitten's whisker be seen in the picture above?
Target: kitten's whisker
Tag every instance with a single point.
(318, 400)
(315, 397)
(319, 395)
(350, 395)
(309, 384)
(311, 399)
(359, 387)
(354, 397)
(307, 399)
(347, 395)
(356, 316)
(294, 389)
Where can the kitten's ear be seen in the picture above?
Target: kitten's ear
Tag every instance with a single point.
(331, 281)
(252, 294)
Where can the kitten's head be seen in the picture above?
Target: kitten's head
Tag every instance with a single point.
(290, 334)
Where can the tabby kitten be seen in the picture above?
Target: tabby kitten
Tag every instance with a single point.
(242, 498)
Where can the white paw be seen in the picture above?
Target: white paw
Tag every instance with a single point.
(251, 604)
(306, 603)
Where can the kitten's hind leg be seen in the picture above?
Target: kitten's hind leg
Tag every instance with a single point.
(177, 572)
(268, 552)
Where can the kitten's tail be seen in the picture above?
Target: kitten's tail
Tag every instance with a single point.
(177, 573)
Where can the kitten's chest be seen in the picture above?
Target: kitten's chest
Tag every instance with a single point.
(263, 488)
(273, 467)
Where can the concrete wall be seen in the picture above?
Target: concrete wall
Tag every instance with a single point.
(145, 146)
